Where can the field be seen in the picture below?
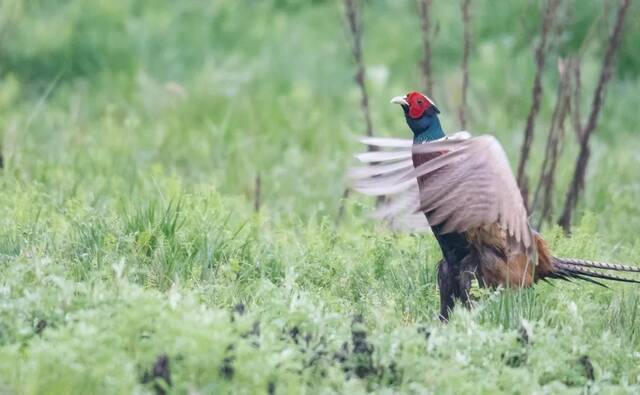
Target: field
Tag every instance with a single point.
(132, 133)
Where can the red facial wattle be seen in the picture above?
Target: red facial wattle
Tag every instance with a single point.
(418, 104)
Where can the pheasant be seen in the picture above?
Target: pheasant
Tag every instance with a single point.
(462, 188)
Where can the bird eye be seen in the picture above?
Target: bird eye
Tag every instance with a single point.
(419, 101)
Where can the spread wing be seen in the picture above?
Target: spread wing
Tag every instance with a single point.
(381, 177)
(468, 186)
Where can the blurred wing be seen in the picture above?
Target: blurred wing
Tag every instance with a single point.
(382, 177)
(470, 185)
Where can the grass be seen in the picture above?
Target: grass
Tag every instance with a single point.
(132, 133)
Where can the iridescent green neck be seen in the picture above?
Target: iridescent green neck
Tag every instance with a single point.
(428, 131)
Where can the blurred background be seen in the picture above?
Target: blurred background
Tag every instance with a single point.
(105, 92)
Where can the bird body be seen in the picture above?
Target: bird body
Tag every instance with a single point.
(462, 188)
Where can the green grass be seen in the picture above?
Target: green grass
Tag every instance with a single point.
(132, 133)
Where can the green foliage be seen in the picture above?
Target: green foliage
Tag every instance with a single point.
(132, 133)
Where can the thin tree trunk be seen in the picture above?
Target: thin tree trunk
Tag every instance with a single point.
(540, 55)
(345, 196)
(554, 141)
(577, 183)
(577, 88)
(354, 27)
(552, 131)
(354, 22)
(424, 12)
(257, 191)
(465, 63)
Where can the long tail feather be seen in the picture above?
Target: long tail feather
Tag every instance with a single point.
(598, 265)
(581, 272)
(570, 276)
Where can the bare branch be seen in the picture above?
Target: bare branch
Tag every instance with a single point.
(552, 132)
(554, 141)
(424, 12)
(590, 37)
(354, 24)
(345, 196)
(352, 13)
(465, 63)
(577, 184)
(577, 88)
(547, 23)
(257, 191)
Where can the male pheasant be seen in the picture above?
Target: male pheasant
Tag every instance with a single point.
(463, 188)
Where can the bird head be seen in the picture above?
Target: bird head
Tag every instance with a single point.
(421, 115)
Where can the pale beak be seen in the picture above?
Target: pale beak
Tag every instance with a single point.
(402, 100)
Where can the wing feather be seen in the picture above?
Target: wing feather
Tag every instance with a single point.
(383, 156)
(387, 142)
(388, 174)
(362, 173)
(470, 185)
